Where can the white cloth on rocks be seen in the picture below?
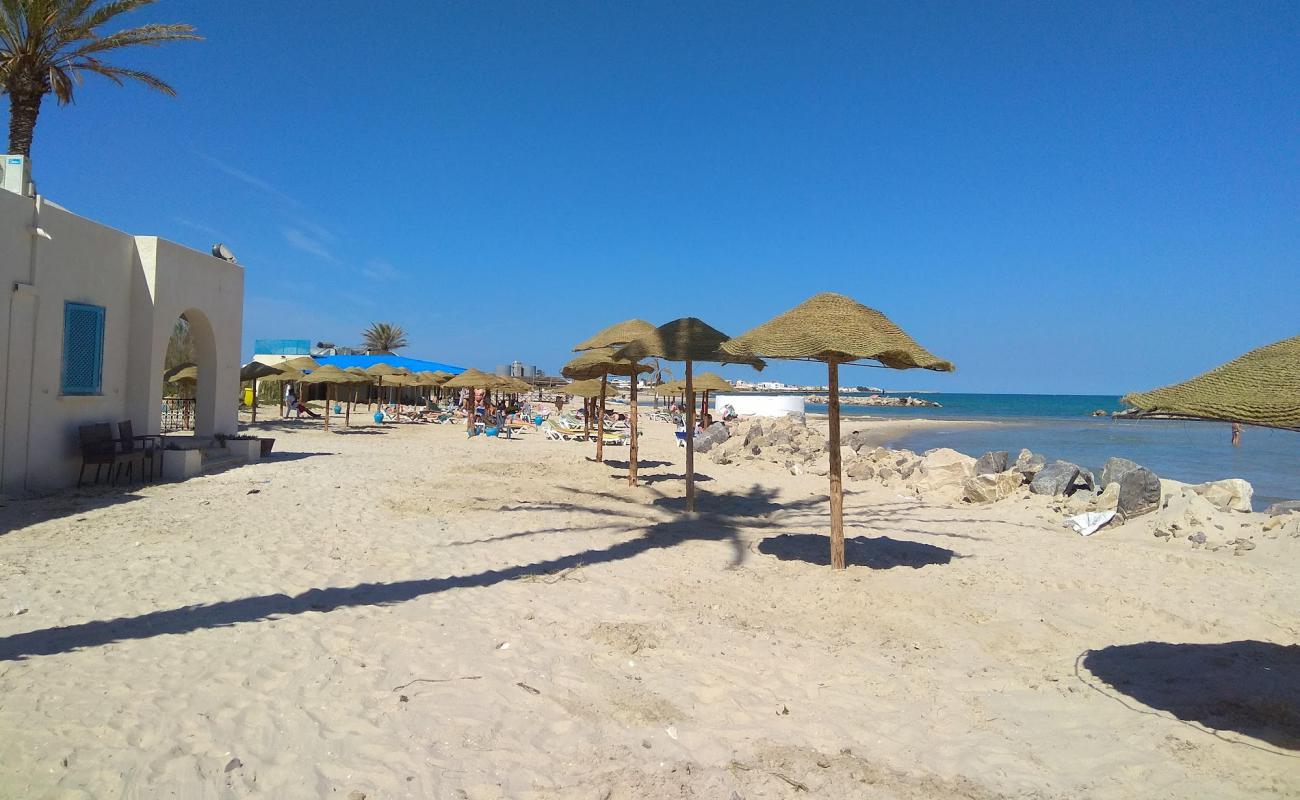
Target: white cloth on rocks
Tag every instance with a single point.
(1091, 522)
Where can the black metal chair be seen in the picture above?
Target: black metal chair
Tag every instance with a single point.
(150, 446)
(98, 447)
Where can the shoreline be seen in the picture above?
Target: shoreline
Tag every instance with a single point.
(880, 430)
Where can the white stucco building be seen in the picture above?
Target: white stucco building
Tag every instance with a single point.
(84, 335)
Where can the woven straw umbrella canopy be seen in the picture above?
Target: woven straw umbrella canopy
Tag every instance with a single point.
(299, 363)
(1261, 387)
(601, 363)
(707, 382)
(330, 376)
(617, 335)
(689, 340)
(670, 388)
(182, 373)
(253, 371)
(519, 386)
(835, 329)
(382, 372)
(712, 382)
(590, 388)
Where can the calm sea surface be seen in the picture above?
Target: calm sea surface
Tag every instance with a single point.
(1059, 426)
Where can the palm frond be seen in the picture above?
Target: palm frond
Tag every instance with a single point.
(118, 74)
(147, 35)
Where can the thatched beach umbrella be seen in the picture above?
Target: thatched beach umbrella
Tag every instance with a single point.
(837, 330)
(379, 372)
(471, 379)
(601, 363)
(1261, 387)
(330, 376)
(590, 390)
(703, 383)
(617, 335)
(253, 371)
(687, 339)
(292, 369)
(707, 382)
(182, 373)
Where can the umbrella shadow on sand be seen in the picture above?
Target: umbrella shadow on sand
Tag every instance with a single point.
(875, 552)
(729, 516)
(653, 535)
(1249, 687)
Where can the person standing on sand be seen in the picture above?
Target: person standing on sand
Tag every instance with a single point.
(290, 401)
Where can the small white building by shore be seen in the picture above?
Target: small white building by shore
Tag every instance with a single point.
(760, 405)
(84, 336)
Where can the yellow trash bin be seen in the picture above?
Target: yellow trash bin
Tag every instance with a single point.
(248, 396)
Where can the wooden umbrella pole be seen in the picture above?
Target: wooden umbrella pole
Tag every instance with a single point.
(327, 406)
(690, 442)
(469, 409)
(600, 420)
(632, 448)
(282, 399)
(586, 417)
(254, 399)
(837, 483)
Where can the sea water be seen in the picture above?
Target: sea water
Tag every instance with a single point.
(1061, 426)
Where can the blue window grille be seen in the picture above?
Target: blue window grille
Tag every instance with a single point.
(83, 349)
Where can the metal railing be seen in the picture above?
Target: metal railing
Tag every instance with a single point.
(177, 414)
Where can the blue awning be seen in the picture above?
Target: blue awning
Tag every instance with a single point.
(365, 362)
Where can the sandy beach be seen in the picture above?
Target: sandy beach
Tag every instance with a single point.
(400, 612)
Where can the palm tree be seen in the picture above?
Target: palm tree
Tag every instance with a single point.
(383, 337)
(657, 377)
(46, 45)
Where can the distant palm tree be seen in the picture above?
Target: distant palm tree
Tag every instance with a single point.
(382, 337)
(657, 377)
(46, 45)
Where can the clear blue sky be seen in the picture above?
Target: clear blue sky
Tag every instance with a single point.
(1059, 198)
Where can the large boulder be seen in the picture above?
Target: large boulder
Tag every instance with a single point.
(753, 432)
(1055, 479)
(713, 435)
(860, 469)
(1284, 507)
(991, 487)
(821, 465)
(1028, 464)
(1108, 500)
(855, 440)
(992, 462)
(1139, 493)
(943, 468)
(1231, 494)
(1115, 469)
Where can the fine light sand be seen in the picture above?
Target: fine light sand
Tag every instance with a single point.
(401, 612)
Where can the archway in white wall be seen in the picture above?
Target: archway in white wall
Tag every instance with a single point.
(197, 345)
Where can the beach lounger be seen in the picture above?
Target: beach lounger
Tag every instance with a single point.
(558, 431)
